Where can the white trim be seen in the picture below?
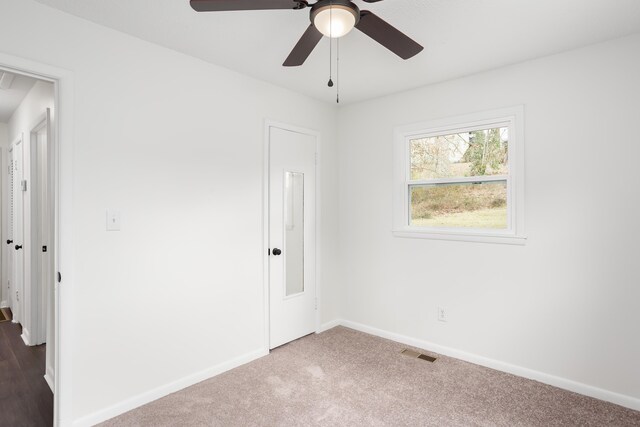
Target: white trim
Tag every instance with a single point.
(17, 289)
(473, 121)
(49, 378)
(513, 117)
(4, 304)
(265, 238)
(63, 81)
(329, 325)
(166, 389)
(26, 336)
(563, 383)
(461, 237)
(318, 236)
(461, 180)
(268, 124)
(39, 123)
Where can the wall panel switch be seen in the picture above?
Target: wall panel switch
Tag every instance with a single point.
(113, 220)
(442, 314)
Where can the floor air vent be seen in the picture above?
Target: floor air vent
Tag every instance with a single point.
(417, 355)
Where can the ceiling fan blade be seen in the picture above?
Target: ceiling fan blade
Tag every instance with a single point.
(387, 35)
(304, 47)
(223, 5)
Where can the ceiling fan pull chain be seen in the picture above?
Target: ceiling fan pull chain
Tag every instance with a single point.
(338, 71)
(330, 84)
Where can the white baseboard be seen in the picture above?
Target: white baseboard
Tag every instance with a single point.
(563, 383)
(328, 325)
(166, 389)
(25, 336)
(4, 304)
(48, 377)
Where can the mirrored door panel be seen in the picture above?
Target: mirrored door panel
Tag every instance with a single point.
(294, 232)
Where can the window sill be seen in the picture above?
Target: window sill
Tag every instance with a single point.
(462, 237)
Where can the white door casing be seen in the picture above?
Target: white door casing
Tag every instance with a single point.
(18, 234)
(10, 225)
(291, 230)
(61, 173)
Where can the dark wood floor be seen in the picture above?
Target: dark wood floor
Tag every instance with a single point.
(25, 397)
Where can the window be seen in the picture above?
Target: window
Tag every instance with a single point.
(461, 178)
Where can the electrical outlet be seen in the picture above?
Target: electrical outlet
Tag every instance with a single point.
(442, 314)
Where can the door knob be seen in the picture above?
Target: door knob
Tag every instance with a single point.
(276, 251)
(18, 247)
(9, 242)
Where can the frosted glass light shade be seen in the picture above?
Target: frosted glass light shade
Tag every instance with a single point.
(334, 21)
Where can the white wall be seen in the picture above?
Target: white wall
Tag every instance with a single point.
(174, 144)
(4, 135)
(32, 107)
(4, 143)
(566, 303)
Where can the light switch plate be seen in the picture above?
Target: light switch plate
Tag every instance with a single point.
(442, 314)
(113, 220)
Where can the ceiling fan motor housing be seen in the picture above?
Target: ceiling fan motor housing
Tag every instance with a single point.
(335, 4)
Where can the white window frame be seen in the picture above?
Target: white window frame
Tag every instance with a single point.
(511, 118)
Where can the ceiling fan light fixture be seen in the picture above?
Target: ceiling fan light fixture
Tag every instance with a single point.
(335, 18)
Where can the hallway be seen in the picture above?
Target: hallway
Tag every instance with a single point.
(25, 397)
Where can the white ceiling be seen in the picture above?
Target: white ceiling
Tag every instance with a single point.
(11, 98)
(460, 37)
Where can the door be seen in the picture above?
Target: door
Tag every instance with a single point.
(18, 230)
(39, 297)
(292, 239)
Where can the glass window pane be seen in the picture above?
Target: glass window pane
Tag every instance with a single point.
(468, 205)
(294, 232)
(476, 153)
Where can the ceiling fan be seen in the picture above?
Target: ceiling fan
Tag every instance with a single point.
(331, 18)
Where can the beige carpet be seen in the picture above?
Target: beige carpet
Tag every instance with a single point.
(347, 378)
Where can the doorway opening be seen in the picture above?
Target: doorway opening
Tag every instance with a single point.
(28, 291)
